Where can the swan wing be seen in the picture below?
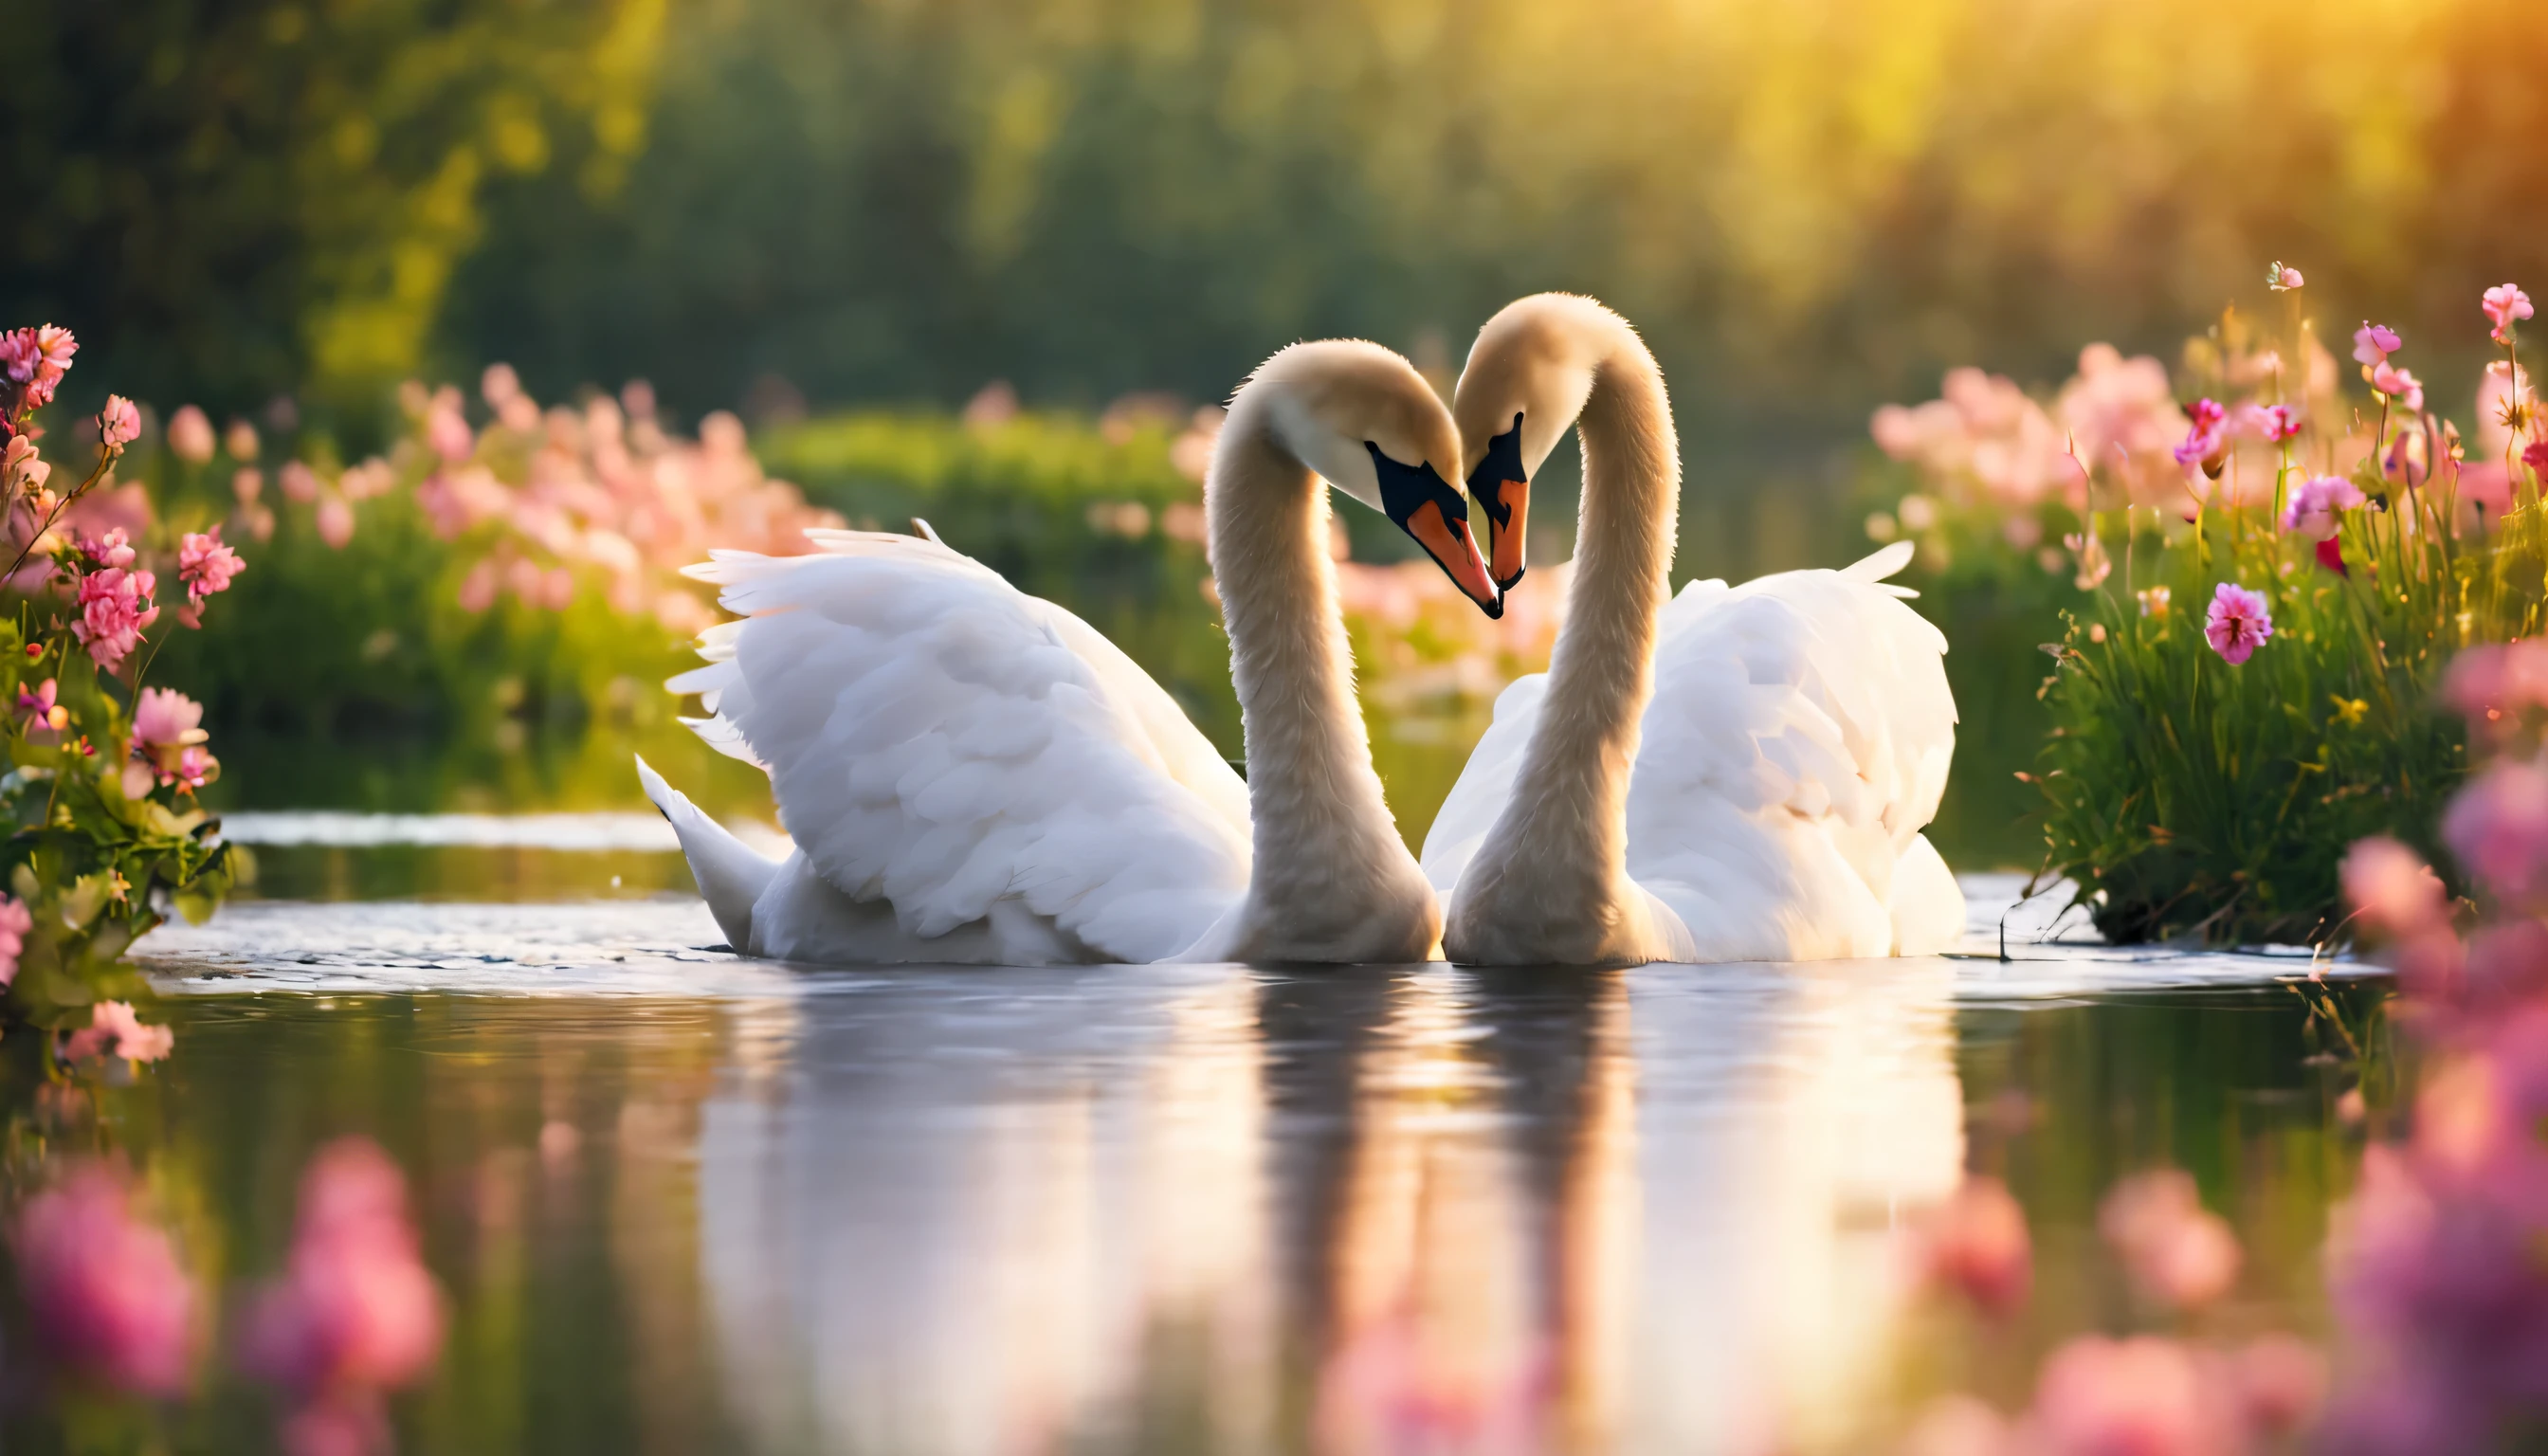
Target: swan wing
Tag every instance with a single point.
(1797, 742)
(966, 754)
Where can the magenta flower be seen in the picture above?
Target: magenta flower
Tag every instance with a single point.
(2206, 436)
(119, 423)
(355, 1313)
(105, 1292)
(114, 610)
(2399, 385)
(20, 357)
(2498, 828)
(205, 564)
(2535, 455)
(39, 710)
(2280, 422)
(115, 1028)
(15, 920)
(2314, 502)
(2503, 303)
(2372, 343)
(2238, 623)
(190, 434)
(2283, 280)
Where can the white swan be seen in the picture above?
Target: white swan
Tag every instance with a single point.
(974, 775)
(1738, 775)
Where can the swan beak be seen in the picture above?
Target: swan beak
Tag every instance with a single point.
(1426, 508)
(1502, 487)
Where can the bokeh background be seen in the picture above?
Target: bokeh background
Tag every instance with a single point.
(812, 211)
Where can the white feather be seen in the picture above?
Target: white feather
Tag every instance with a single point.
(972, 773)
(1797, 742)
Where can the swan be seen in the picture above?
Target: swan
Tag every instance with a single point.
(974, 775)
(1732, 773)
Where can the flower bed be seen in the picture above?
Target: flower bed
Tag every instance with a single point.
(2266, 584)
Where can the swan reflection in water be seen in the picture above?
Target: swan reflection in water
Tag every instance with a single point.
(1417, 1210)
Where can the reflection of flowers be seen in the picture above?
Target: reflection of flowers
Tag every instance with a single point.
(103, 1289)
(115, 1029)
(355, 1314)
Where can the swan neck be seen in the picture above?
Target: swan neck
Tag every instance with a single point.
(1314, 801)
(1574, 780)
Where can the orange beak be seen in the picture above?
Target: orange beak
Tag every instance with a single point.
(1507, 539)
(1452, 548)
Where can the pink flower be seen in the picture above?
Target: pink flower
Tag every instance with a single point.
(19, 355)
(2283, 280)
(2139, 1396)
(2398, 384)
(1978, 1243)
(103, 1288)
(2238, 623)
(115, 548)
(2281, 1382)
(298, 481)
(2535, 455)
(355, 1313)
(15, 920)
(2178, 1253)
(2314, 502)
(115, 1029)
(119, 423)
(205, 564)
(335, 521)
(2391, 886)
(115, 610)
(2503, 303)
(190, 434)
(2331, 555)
(40, 710)
(2497, 828)
(2278, 423)
(35, 360)
(2495, 685)
(2373, 345)
(2206, 436)
(168, 731)
(478, 588)
(448, 433)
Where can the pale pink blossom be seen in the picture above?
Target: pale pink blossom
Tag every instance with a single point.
(190, 436)
(35, 360)
(2177, 1251)
(355, 1313)
(205, 564)
(2314, 502)
(2497, 828)
(240, 441)
(2283, 280)
(335, 521)
(119, 423)
(27, 470)
(479, 588)
(2506, 408)
(2137, 1396)
(14, 922)
(298, 482)
(2372, 343)
(2237, 624)
(2503, 303)
(168, 738)
(2497, 684)
(2390, 886)
(2400, 385)
(116, 608)
(448, 433)
(103, 1292)
(1976, 1243)
(115, 1028)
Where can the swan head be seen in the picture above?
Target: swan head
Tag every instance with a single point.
(1366, 422)
(1527, 378)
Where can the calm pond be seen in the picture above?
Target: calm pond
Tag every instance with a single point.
(680, 1201)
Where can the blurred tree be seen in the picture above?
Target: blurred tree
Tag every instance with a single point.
(234, 200)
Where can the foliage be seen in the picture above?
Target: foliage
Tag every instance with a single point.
(2193, 784)
(241, 199)
(104, 836)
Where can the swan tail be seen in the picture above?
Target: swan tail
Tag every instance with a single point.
(1879, 564)
(730, 875)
